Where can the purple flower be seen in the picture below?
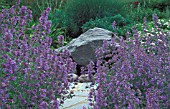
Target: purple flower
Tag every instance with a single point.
(29, 62)
(43, 105)
(134, 75)
(61, 40)
(23, 10)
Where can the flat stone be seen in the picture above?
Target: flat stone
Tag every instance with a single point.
(76, 100)
(82, 86)
(82, 93)
(80, 97)
(80, 106)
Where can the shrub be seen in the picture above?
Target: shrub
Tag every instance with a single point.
(31, 74)
(121, 24)
(139, 12)
(57, 29)
(40, 5)
(78, 12)
(159, 4)
(137, 74)
(167, 12)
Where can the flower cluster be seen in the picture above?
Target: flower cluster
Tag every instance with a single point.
(135, 74)
(31, 74)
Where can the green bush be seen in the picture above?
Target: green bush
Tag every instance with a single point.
(78, 12)
(159, 4)
(122, 24)
(37, 6)
(167, 12)
(137, 14)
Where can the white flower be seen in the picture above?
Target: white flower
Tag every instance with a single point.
(153, 44)
(162, 20)
(160, 40)
(167, 23)
(149, 34)
(153, 30)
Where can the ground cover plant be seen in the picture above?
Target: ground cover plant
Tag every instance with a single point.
(32, 75)
(137, 73)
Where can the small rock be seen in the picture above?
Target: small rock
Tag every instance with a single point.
(72, 77)
(85, 78)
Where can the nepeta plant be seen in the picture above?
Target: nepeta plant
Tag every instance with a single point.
(31, 74)
(136, 74)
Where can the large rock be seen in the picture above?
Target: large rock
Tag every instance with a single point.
(83, 48)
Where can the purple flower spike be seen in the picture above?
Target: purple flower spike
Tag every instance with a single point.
(32, 74)
(61, 40)
(133, 74)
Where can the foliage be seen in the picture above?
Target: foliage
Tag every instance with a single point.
(3, 4)
(167, 12)
(139, 12)
(31, 74)
(38, 6)
(78, 12)
(137, 72)
(122, 24)
(56, 28)
(159, 4)
(164, 24)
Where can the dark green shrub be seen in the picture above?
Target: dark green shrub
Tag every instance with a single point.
(158, 4)
(78, 12)
(37, 6)
(137, 14)
(57, 28)
(122, 24)
(167, 12)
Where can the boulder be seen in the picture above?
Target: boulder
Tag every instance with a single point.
(83, 48)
